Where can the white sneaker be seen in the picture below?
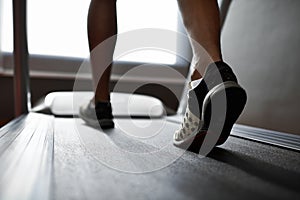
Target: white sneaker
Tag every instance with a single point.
(228, 97)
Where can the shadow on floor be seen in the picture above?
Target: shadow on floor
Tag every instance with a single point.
(263, 170)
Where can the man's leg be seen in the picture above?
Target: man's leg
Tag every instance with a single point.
(219, 83)
(202, 22)
(102, 24)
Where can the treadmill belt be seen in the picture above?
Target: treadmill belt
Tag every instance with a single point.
(64, 164)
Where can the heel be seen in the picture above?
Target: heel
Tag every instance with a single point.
(236, 100)
(225, 115)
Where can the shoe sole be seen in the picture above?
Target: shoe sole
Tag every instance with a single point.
(235, 97)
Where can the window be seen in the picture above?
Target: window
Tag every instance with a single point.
(138, 14)
(58, 27)
(57, 41)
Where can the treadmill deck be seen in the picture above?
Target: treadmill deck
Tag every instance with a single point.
(46, 157)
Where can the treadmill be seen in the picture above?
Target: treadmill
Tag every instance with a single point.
(55, 156)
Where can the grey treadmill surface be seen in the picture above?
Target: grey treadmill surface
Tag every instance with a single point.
(42, 156)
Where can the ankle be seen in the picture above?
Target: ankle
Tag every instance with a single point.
(217, 73)
(196, 75)
(101, 100)
(203, 64)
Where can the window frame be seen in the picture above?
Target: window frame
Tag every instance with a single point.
(51, 66)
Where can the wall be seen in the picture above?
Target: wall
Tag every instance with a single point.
(261, 40)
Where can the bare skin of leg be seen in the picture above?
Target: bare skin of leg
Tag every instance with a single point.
(200, 17)
(202, 22)
(102, 24)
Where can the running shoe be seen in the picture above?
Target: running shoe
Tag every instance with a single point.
(99, 114)
(218, 92)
